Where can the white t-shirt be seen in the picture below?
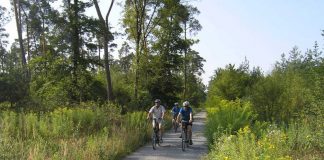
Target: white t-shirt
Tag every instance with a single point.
(157, 112)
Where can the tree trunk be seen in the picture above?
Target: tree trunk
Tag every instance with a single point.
(107, 69)
(75, 36)
(73, 17)
(139, 28)
(19, 30)
(185, 65)
(99, 48)
(136, 70)
(105, 31)
(28, 43)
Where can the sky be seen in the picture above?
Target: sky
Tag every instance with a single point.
(258, 30)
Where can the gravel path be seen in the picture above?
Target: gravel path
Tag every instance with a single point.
(170, 149)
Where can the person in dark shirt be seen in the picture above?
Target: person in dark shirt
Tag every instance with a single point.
(186, 119)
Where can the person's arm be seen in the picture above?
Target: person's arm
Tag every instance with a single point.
(178, 117)
(190, 120)
(149, 115)
(163, 112)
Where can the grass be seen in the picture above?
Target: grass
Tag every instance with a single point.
(78, 133)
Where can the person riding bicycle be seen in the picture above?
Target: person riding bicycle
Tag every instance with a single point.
(186, 119)
(158, 114)
(175, 111)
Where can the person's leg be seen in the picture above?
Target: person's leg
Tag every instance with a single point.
(182, 124)
(153, 124)
(160, 129)
(174, 119)
(189, 127)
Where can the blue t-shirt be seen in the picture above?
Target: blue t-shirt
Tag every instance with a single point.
(175, 110)
(185, 114)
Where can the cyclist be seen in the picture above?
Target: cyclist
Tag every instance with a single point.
(186, 119)
(158, 113)
(175, 111)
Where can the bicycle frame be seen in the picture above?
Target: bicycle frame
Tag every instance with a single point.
(184, 138)
(155, 134)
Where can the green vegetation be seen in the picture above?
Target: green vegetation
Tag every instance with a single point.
(83, 133)
(274, 116)
(64, 96)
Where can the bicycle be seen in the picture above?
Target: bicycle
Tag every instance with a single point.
(175, 125)
(184, 135)
(155, 134)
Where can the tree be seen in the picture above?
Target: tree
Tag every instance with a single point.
(18, 16)
(191, 24)
(104, 28)
(140, 17)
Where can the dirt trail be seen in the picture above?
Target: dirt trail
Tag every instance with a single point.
(170, 149)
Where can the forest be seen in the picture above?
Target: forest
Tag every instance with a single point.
(62, 91)
(64, 57)
(70, 89)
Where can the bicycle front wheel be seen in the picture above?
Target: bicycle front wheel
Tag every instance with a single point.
(154, 140)
(183, 140)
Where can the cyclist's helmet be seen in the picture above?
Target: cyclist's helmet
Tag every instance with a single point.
(157, 101)
(186, 104)
(176, 104)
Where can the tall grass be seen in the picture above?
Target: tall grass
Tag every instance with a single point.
(78, 133)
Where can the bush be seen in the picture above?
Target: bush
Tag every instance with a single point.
(227, 117)
(245, 146)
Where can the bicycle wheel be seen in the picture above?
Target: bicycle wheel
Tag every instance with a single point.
(187, 139)
(175, 125)
(159, 138)
(154, 140)
(183, 139)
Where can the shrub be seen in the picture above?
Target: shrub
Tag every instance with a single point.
(227, 117)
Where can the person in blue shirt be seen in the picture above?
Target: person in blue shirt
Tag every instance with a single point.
(186, 119)
(175, 111)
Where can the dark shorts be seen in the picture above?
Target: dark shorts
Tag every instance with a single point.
(185, 124)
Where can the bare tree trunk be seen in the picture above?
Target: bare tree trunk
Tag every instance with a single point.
(107, 69)
(105, 31)
(19, 30)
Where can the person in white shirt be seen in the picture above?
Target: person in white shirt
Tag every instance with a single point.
(157, 111)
